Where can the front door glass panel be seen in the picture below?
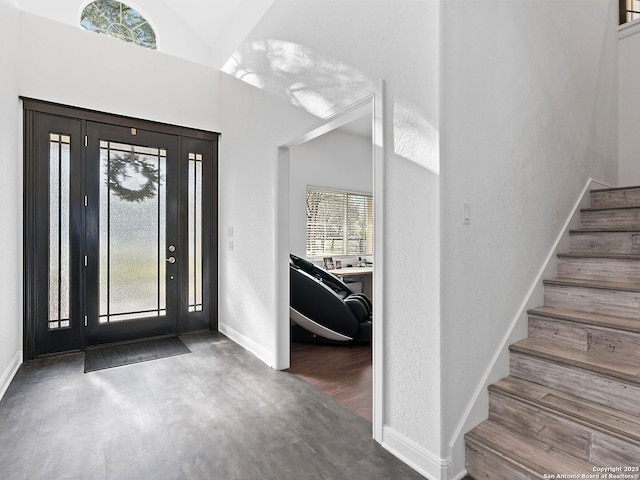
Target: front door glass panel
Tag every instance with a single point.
(195, 232)
(132, 244)
(59, 241)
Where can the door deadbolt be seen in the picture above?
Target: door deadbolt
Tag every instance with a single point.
(172, 248)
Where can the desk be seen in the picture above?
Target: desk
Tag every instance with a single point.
(366, 273)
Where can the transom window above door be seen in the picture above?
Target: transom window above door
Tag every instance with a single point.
(118, 20)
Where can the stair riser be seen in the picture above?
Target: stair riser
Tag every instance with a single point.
(577, 439)
(483, 464)
(624, 243)
(599, 269)
(593, 300)
(613, 452)
(611, 343)
(615, 344)
(538, 424)
(582, 383)
(616, 198)
(557, 332)
(626, 218)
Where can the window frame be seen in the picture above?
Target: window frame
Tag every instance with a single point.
(134, 29)
(346, 226)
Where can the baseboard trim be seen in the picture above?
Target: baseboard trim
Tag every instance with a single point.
(245, 342)
(414, 455)
(461, 475)
(10, 372)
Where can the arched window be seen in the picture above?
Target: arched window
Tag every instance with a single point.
(113, 18)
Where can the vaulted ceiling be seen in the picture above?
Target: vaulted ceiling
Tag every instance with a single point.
(208, 32)
(205, 31)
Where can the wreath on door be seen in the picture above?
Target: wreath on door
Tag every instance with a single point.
(120, 169)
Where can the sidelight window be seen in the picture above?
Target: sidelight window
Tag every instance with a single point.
(59, 247)
(195, 232)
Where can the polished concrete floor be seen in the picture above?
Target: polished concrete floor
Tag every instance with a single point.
(216, 413)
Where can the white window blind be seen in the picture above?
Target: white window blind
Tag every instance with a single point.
(338, 223)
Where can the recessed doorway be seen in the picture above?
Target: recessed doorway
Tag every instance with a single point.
(372, 106)
(331, 225)
(120, 222)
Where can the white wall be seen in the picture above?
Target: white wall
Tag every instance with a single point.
(335, 160)
(529, 114)
(59, 63)
(11, 202)
(322, 66)
(254, 125)
(629, 105)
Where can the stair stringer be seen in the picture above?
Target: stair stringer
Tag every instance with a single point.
(478, 406)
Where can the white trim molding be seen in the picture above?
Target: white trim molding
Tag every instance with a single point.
(245, 342)
(628, 29)
(417, 457)
(379, 262)
(10, 372)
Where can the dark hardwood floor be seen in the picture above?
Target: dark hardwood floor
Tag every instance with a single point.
(342, 371)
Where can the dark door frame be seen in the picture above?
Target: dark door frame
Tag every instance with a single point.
(34, 262)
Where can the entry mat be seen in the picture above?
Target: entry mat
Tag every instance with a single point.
(118, 355)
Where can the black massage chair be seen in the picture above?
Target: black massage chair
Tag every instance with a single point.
(323, 309)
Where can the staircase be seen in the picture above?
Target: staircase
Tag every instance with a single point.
(572, 399)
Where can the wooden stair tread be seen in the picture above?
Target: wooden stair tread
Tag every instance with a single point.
(580, 359)
(594, 415)
(618, 323)
(600, 209)
(612, 256)
(614, 189)
(602, 285)
(587, 229)
(529, 454)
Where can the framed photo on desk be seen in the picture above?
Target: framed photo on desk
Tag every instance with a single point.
(328, 263)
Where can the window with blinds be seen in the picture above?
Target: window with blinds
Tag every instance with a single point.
(338, 223)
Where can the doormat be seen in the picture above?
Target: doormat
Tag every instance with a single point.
(126, 354)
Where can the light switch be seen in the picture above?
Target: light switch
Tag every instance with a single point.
(230, 232)
(466, 214)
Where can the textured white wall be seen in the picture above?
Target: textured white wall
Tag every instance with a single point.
(254, 125)
(337, 161)
(629, 106)
(123, 78)
(529, 114)
(321, 55)
(10, 200)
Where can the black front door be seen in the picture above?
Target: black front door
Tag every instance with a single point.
(132, 240)
(120, 229)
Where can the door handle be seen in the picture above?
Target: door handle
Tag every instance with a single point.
(171, 259)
